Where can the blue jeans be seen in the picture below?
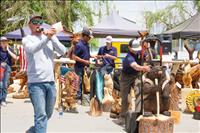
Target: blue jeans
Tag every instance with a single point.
(4, 83)
(43, 97)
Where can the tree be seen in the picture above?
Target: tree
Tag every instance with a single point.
(197, 5)
(171, 16)
(66, 11)
(53, 11)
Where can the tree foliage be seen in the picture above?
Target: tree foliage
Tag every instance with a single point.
(170, 16)
(197, 5)
(53, 11)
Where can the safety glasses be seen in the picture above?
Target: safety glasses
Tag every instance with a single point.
(37, 22)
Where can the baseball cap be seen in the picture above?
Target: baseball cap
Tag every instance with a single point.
(34, 16)
(87, 32)
(3, 38)
(109, 39)
(135, 45)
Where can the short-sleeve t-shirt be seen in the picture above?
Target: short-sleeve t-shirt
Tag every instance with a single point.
(129, 59)
(5, 56)
(112, 51)
(82, 50)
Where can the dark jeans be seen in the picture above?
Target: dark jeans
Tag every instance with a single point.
(43, 97)
(127, 81)
(80, 72)
(4, 83)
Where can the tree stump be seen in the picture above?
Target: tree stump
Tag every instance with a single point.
(160, 124)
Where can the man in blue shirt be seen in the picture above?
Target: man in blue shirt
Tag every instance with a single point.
(82, 57)
(6, 55)
(108, 54)
(130, 72)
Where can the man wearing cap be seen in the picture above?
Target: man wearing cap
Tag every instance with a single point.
(6, 56)
(130, 72)
(39, 48)
(82, 57)
(108, 54)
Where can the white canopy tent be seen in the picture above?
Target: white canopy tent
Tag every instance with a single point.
(117, 27)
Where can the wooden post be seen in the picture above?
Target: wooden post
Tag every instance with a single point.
(157, 98)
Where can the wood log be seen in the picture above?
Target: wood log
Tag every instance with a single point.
(161, 124)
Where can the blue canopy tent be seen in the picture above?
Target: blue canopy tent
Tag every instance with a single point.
(16, 35)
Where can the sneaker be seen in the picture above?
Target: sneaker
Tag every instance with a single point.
(3, 104)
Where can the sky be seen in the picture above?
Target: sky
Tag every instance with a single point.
(133, 10)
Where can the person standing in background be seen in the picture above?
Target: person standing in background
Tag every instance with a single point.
(82, 58)
(6, 56)
(108, 54)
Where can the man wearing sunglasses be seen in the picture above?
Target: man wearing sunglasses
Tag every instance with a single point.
(39, 48)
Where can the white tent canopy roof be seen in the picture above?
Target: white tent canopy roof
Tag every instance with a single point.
(188, 29)
(117, 26)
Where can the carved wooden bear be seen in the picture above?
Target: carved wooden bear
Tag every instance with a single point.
(165, 83)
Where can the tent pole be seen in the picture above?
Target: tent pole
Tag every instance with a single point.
(180, 45)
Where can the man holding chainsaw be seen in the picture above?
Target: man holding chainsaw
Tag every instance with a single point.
(130, 72)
